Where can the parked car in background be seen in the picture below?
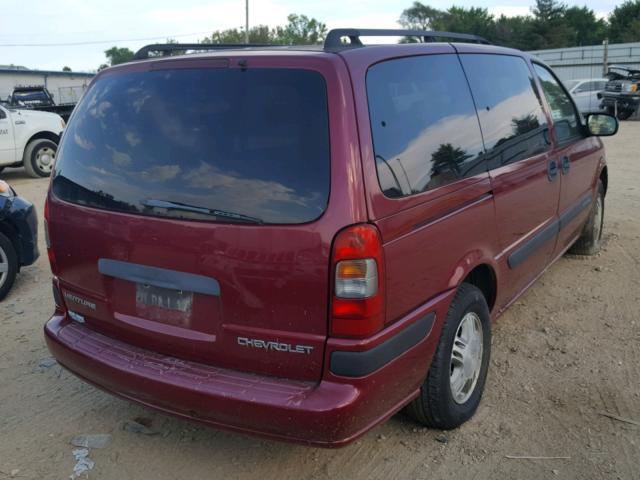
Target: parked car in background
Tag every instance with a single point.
(621, 95)
(585, 93)
(318, 237)
(18, 236)
(29, 138)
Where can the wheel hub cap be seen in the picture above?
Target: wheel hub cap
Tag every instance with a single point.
(466, 357)
(45, 158)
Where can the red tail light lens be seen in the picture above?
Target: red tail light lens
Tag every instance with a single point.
(357, 306)
(47, 239)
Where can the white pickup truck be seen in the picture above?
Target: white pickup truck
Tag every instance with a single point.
(29, 138)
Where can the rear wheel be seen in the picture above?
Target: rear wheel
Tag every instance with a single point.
(452, 391)
(589, 241)
(39, 157)
(8, 265)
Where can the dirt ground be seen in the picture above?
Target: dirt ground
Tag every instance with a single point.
(566, 353)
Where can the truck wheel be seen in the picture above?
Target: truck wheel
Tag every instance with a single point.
(589, 241)
(8, 265)
(452, 391)
(39, 157)
(624, 114)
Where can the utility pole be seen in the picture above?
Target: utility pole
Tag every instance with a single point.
(246, 22)
(605, 56)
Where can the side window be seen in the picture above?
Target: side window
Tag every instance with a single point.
(513, 122)
(563, 112)
(2, 114)
(423, 122)
(588, 87)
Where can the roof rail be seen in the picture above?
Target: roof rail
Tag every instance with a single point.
(166, 48)
(334, 37)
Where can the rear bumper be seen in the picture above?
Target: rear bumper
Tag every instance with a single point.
(333, 412)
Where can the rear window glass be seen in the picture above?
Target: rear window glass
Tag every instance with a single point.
(214, 144)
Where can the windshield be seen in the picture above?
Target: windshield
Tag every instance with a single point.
(252, 142)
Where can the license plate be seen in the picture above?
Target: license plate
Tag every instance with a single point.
(165, 298)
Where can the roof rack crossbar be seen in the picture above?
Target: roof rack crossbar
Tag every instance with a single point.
(166, 48)
(334, 37)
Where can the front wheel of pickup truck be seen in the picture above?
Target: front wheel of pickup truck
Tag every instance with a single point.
(624, 114)
(39, 157)
(8, 265)
(452, 391)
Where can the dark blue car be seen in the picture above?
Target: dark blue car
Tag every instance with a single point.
(18, 236)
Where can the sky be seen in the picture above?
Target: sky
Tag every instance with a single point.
(135, 23)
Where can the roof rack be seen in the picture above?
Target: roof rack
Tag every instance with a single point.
(333, 41)
(334, 37)
(166, 48)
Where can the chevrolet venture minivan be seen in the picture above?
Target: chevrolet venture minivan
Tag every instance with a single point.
(298, 242)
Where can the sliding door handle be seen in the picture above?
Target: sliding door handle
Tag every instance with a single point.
(552, 170)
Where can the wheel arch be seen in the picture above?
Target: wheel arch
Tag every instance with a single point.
(604, 178)
(9, 231)
(43, 134)
(478, 270)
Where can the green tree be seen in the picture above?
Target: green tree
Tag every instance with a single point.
(301, 30)
(475, 20)
(420, 17)
(586, 28)
(514, 32)
(117, 55)
(66, 69)
(624, 22)
(550, 28)
(257, 34)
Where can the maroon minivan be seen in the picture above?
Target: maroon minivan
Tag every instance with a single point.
(298, 242)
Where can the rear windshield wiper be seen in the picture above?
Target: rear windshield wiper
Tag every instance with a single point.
(232, 216)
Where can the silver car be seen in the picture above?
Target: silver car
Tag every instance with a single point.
(585, 92)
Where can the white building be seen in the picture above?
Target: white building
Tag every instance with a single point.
(66, 87)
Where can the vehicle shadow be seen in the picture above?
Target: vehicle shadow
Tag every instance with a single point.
(19, 173)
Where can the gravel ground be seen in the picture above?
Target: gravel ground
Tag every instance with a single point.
(564, 354)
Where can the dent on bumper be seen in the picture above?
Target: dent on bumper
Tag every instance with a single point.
(328, 413)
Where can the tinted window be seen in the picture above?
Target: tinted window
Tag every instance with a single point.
(592, 86)
(424, 125)
(564, 115)
(514, 126)
(252, 142)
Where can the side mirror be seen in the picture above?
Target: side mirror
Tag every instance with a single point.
(602, 124)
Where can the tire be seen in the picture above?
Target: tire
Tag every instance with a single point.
(437, 406)
(589, 241)
(624, 114)
(8, 265)
(39, 157)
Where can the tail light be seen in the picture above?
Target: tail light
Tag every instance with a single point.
(47, 239)
(357, 306)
